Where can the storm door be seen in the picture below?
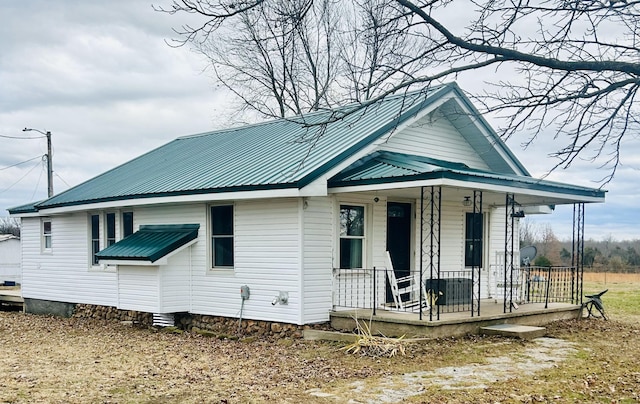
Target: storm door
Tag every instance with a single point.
(399, 240)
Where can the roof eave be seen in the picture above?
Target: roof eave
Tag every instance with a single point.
(442, 177)
(235, 193)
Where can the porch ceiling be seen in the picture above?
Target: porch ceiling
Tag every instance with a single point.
(454, 194)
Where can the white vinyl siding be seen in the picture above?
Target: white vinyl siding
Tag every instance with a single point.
(63, 274)
(317, 259)
(10, 258)
(139, 288)
(175, 283)
(434, 136)
(267, 259)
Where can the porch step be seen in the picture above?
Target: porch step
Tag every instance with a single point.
(515, 331)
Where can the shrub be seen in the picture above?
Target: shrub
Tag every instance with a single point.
(542, 261)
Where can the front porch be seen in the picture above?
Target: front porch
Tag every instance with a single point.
(447, 306)
(394, 323)
(447, 259)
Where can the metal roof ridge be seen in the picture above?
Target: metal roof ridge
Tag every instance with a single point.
(305, 115)
(168, 227)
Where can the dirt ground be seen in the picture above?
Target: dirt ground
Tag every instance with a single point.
(54, 360)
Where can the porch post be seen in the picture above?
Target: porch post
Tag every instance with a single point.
(430, 231)
(577, 253)
(476, 233)
(421, 248)
(508, 252)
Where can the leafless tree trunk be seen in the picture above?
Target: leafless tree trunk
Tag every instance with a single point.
(565, 68)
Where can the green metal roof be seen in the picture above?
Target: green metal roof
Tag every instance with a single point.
(284, 153)
(150, 243)
(385, 167)
(26, 208)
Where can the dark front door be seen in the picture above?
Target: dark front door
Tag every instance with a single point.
(399, 239)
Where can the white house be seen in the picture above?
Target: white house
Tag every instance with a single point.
(286, 208)
(9, 259)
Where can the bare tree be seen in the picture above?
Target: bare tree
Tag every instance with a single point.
(10, 225)
(572, 64)
(277, 57)
(528, 233)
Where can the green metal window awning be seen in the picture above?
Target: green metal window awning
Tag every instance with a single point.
(150, 245)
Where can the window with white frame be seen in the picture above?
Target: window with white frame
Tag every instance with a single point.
(352, 236)
(127, 224)
(94, 223)
(105, 231)
(221, 220)
(111, 229)
(46, 239)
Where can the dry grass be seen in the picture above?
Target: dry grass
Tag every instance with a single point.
(46, 359)
(373, 345)
(604, 278)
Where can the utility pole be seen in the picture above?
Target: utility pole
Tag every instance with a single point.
(49, 166)
(49, 160)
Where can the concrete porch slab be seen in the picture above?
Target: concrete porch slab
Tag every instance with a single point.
(396, 324)
(514, 331)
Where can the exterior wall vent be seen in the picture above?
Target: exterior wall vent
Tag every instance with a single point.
(163, 320)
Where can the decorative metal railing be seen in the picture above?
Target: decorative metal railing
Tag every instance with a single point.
(453, 292)
(372, 289)
(533, 284)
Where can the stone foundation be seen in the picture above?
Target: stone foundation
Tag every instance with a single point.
(112, 314)
(219, 326)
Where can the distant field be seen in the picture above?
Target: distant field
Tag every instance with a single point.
(602, 277)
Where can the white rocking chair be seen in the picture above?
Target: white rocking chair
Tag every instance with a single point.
(412, 290)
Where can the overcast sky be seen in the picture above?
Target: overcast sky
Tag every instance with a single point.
(101, 78)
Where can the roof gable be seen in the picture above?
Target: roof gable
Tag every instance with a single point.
(434, 136)
(455, 131)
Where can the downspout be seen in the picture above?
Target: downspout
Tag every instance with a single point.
(190, 279)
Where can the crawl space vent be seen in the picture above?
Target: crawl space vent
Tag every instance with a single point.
(163, 320)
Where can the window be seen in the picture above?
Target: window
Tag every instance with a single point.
(95, 238)
(222, 236)
(127, 224)
(46, 235)
(473, 240)
(351, 236)
(111, 229)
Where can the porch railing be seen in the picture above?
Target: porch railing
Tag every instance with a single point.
(452, 292)
(371, 289)
(552, 285)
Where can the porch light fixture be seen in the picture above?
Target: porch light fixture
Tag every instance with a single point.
(466, 201)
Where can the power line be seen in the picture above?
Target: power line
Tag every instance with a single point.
(21, 138)
(22, 162)
(12, 185)
(37, 183)
(62, 179)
